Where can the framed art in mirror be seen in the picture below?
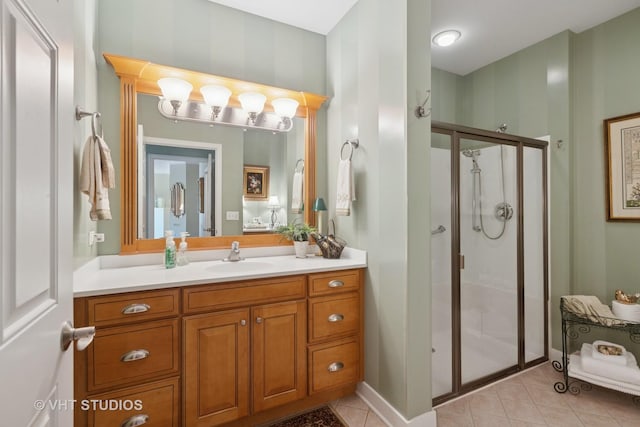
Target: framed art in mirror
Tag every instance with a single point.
(622, 151)
(255, 182)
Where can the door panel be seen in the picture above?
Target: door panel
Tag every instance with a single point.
(488, 278)
(36, 160)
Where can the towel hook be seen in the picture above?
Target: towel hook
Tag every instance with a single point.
(420, 111)
(353, 143)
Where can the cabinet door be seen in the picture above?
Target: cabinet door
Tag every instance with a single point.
(279, 354)
(216, 374)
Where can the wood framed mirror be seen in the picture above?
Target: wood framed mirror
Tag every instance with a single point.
(140, 78)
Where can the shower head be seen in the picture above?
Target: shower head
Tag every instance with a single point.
(502, 128)
(471, 153)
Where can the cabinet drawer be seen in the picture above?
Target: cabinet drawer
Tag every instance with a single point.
(334, 365)
(331, 283)
(242, 294)
(334, 316)
(157, 403)
(125, 354)
(132, 307)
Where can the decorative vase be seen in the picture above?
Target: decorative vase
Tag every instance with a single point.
(301, 249)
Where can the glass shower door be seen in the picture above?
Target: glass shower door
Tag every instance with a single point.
(488, 201)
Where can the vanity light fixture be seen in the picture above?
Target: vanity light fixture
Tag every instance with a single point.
(285, 108)
(176, 91)
(217, 97)
(446, 38)
(252, 103)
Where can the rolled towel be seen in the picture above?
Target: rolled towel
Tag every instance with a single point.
(602, 350)
(629, 373)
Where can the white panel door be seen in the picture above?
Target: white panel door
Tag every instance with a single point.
(36, 182)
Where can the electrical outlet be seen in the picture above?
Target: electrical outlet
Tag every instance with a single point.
(233, 216)
(95, 238)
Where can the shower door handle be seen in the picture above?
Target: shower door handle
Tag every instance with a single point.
(461, 260)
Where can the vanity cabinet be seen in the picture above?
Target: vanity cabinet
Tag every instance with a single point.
(130, 374)
(234, 353)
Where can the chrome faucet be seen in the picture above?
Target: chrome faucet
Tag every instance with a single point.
(234, 255)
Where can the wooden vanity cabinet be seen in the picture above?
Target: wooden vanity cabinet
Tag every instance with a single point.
(236, 353)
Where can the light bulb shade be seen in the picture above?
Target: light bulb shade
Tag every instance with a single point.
(274, 202)
(252, 102)
(285, 107)
(175, 89)
(319, 205)
(215, 95)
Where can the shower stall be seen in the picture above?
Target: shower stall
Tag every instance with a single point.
(489, 256)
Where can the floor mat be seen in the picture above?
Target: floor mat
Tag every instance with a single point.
(319, 417)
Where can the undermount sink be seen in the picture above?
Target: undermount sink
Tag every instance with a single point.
(244, 266)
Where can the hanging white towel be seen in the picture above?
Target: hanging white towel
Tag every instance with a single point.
(97, 175)
(346, 189)
(297, 192)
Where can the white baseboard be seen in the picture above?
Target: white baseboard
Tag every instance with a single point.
(388, 414)
(555, 354)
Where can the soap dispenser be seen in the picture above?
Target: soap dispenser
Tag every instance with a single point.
(169, 250)
(182, 250)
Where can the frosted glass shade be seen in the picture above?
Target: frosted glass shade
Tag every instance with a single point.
(215, 96)
(252, 102)
(285, 107)
(175, 89)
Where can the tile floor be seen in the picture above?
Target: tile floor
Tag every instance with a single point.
(523, 400)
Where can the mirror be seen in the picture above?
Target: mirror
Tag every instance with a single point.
(234, 183)
(211, 162)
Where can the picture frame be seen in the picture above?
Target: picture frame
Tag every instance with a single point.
(255, 182)
(622, 154)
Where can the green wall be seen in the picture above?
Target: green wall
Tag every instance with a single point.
(84, 95)
(374, 79)
(207, 37)
(605, 78)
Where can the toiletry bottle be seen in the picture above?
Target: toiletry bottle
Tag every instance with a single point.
(169, 250)
(182, 250)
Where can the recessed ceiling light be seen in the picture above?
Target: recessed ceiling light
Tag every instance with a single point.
(446, 38)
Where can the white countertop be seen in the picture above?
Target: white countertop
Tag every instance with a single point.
(118, 274)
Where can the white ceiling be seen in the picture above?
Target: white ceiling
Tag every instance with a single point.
(491, 29)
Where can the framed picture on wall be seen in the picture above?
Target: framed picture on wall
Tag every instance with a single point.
(255, 182)
(622, 153)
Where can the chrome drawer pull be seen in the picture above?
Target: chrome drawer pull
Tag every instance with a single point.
(136, 420)
(134, 355)
(335, 367)
(335, 318)
(336, 283)
(136, 308)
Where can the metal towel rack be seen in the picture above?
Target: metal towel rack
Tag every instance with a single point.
(81, 114)
(353, 144)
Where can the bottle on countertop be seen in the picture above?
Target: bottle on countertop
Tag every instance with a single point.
(169, 250)
(182, 250)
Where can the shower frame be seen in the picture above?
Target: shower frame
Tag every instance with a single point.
(456, 133)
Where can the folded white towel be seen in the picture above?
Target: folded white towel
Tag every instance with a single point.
(297, 192)
(97, 175)
(609, 358)
(346, 189)
(590, 307)
(576, 371)
(629, 372)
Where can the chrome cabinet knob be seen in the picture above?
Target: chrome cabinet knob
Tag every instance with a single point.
(258, 319)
